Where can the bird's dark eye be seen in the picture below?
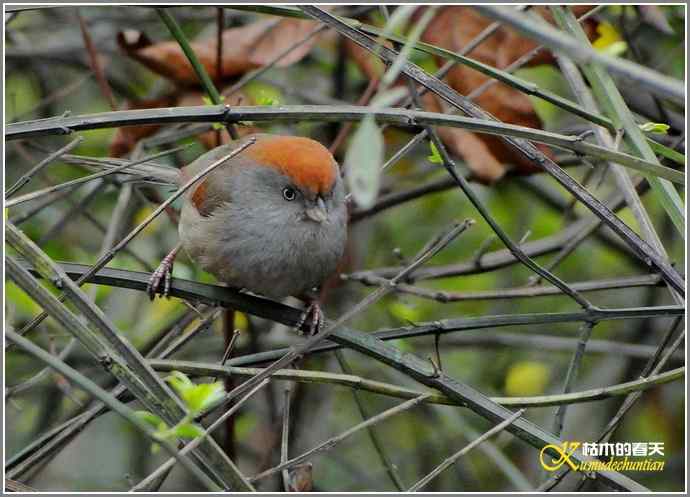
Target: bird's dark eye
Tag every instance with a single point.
(289, 194)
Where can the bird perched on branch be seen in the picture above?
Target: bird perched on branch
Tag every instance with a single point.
(272, 220)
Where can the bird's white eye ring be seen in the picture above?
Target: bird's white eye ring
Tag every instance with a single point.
(289, 194)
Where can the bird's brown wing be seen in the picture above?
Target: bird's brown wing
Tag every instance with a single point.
(211, 192)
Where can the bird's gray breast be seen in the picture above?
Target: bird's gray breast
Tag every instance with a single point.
(263, 243)
(277, 257)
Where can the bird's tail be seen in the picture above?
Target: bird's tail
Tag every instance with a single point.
(145, 171)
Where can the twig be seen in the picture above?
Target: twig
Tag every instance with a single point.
(525, 58)
(220, 27)
(290, 316)
(114, 404)
(231, 346)
(608, 94)
(390, 390)
(648, 373)
(47, 202)
(21, 182)
(57, 95)
(51, 442)
(514, 248)
(76, 209)
(107, 257)
(453, 459)
(143, 485)
(36, 378)
(363, 100)
(571, 375)
(331, 442)
(17, 486)
(419, 369)
(551, 199)
(229, 337)
(524, 147)
(391, 469)
(628, 402)
(500, 258)
(256, 73)
(545, 343)
(657, 83)
(205, 80)
(285, 436)
(95, 63)
(178, 340)
(289, 113)
(444, 296)
(84, 179)
(430, 249)
(569, 247)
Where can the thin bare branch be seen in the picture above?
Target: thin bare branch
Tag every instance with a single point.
(453, 459)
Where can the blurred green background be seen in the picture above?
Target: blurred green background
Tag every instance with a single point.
(44, 53)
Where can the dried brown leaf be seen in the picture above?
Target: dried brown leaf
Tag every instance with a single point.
(453, 28)
(244, 48)
(370, 65)
(274, 41)
(126, 138)
(461, 143)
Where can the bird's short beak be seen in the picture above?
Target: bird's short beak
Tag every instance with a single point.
(317, 212)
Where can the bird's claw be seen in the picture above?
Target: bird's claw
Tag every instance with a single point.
(316, 322)
(163, 273)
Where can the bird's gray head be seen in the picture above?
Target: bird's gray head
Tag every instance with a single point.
(297, 179)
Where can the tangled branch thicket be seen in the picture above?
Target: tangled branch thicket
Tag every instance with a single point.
(520, 253)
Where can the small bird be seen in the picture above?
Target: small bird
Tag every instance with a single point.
(272, 220)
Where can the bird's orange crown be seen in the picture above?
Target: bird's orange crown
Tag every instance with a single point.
(305, 161)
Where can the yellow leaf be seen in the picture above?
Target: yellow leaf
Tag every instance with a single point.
(241, 321)
(608, 35)
(404, 312)
(162, 308)
(142, 214)
(527, 378)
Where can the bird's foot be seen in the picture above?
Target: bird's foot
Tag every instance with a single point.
(162, 274)
(317, 319)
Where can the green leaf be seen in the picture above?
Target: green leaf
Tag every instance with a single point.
(207, 100)
(201, 396)
(363, 163)
(188, 430)
(261, 93)
(667, 152)
(162, 431)
(267, 99)
(155, 448)
(150, 418)
(179, 381)
(435, 157)
(659, 128)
